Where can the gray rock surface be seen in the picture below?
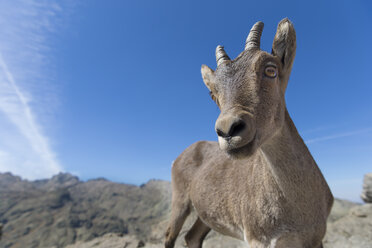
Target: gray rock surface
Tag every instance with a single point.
(112, 240)
(352, 230)
(340, 209)
(367, 188)
(349, 226)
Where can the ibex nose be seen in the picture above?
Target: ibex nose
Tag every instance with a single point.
(229, 127)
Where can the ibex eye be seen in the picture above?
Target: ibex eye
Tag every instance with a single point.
(270, 71)
(212, 96)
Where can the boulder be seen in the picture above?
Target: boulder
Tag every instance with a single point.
(112, 240)
(352, 230)
(367, 188)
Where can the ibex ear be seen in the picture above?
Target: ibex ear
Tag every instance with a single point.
(284, 47)
(208, 77)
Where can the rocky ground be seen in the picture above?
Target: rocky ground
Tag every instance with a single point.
(349, 226)
(352, 230)
(66, 212)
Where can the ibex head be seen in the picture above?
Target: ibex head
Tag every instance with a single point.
(250, 90)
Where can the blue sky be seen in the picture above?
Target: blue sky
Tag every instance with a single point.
(113, 88)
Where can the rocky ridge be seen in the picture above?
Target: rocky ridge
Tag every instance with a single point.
(64, 210)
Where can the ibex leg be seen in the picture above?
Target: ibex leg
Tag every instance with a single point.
(195, 236)
(180, 210)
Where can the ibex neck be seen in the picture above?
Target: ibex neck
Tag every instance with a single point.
(288, 158)
(285, 138)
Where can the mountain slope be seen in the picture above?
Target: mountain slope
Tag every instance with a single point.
(64, 210)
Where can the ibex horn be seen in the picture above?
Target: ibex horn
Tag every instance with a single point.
(254, 37)
(221, 55)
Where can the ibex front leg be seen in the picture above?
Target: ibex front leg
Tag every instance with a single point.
(195, 236)
(180, 210)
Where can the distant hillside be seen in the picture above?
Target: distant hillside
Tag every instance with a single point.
(63, 210)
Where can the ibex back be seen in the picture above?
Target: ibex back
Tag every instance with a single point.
(259, 183)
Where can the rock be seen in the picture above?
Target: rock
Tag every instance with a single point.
(10, 182)
(60, 181)
(118, 241)
(352, 230)
(367, 188)
(340, 209)
(112, 240)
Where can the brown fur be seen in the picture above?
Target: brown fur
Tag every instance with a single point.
(259, 183)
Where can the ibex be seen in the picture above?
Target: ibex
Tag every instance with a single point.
(259, 183)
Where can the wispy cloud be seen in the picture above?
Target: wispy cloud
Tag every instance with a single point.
(26, 87)
(318, 129)
(338, 135)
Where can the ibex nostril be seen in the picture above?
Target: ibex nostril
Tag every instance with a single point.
(236, 128)
(221, 133)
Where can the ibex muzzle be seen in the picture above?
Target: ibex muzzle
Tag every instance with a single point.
(235, 129)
